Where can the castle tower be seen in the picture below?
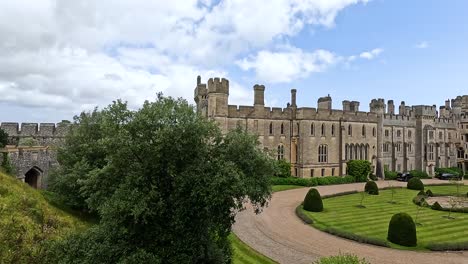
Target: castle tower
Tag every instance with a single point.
(259, 95)
(218, 93)
(402, 109)
(200, 97)
(378, 106)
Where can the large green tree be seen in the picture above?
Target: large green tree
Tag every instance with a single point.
(164, 181)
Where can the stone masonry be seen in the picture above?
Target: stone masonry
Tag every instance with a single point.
(319, 141)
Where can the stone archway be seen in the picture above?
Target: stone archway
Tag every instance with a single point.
(33, 177)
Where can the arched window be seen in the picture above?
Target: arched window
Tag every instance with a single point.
(361, 152)
(356, 152)
(271, 128)
(323, 130)
(351, 151)
(312, 129)
(282, 129)
(298, 128)
(350, 130)
(373, 132)
(280, 152)
(333, 130)
(366, 152)
(323, 153)
(363, 130)
(410, 134)
(346, 152)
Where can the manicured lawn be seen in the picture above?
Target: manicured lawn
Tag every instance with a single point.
(243, 254)
(279, 188)
(341, 213)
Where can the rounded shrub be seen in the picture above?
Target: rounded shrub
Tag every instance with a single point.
(429, 193)
(313, 201)
(415, 184)
(436, 206)
(371, 188)
(402, 230)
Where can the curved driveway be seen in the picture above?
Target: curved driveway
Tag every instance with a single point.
(279, 234)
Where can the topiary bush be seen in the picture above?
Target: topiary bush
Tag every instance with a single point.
(421, 193)
(429, 193)
(371, 188)
(402, 230)
(415, 184)
(359, 169)
(436, 206)
(313, 201)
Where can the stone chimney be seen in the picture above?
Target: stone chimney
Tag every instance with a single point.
(346, 106)
(354, 106)
(293, 97)
(390, 107)
(402, 110)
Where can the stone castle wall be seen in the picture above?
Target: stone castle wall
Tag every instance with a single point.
(418, 137)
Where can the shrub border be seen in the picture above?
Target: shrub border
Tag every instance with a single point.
(460, 246)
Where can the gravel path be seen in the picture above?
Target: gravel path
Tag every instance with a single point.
(279, 234)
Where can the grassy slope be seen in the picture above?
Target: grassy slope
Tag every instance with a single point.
(243, 254)
(28, 221)
(279, 188)
(372, 221)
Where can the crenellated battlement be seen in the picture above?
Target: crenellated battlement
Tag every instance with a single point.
(50, 130)
(217, 85)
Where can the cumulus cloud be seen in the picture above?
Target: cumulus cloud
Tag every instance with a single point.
(422, 45)
(371, 54)
(285, 66)
(77, 54)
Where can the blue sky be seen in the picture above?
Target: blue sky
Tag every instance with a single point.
(74, 55)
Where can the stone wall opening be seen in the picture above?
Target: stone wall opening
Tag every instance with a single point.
(33, 176)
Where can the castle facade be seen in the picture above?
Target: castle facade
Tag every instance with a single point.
(319, 141)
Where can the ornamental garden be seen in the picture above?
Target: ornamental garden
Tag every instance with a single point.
(416, 217)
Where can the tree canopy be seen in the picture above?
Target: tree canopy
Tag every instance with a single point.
(165, 183)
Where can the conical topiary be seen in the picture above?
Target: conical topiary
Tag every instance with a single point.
(415, 184)
(429, 193)
(313, 201)
(436, 206)
(402, 230)
(371, 188)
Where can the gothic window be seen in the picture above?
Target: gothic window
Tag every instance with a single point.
(431, 152)
(410, 147)
(323, 130)
(431, 134)
(271, 128)
(350, 130)
(312, 129)
(366, 154)
(410, 134)
(346, 152)
(323, 153)
(363, 131)
(398, 133)
(282, 129)
(333, 130)
(373, 132)
(386, 147)
(361, 154)
(387, 133)
(280, 152)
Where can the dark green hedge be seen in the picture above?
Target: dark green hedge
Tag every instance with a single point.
(391, 175)
(359, 169)
(302, 216)
(454, 170)
(310, 182)
(283, 169)
(420, 174)
(371, 188)
(448, 246)
(402, 230)
(415, 184)
(313, 201)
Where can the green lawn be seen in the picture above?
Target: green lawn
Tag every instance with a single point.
(279, 188)
(243, 254)
(341, 213)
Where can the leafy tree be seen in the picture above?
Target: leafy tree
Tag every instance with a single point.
(283, 168)
(3, 138)
(359, 169)
(164, 181)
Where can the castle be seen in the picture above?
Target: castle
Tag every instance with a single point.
(319, 141)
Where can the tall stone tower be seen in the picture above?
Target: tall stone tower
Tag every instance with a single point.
(378, 106)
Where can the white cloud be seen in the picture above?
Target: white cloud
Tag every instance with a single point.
(292, 63)
(422, 45)
(76, 54)
(285, 66)
(371, 54)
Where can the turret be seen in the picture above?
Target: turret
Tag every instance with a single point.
(325, 103)
(201, 97)
(377, 106)
(259, 95)
(402, 109)
(346, 106)
(391, 107)
(354, 106)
